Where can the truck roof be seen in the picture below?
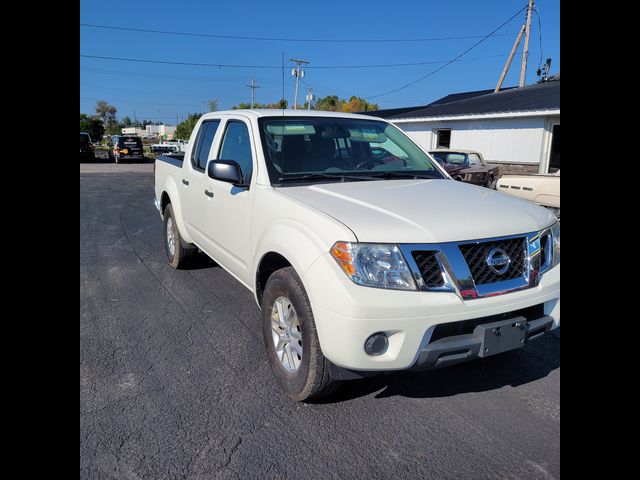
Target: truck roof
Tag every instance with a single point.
(269, 112)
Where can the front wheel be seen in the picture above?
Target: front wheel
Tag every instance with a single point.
(489, 182)
(291, 340)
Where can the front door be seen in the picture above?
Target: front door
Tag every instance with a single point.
(227, 208)
(477, 173)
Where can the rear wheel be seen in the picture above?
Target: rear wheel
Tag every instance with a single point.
(291, 340)
(178, 251)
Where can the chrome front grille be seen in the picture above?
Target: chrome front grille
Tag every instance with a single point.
(429, 268)
(476, 256)
(465, 268)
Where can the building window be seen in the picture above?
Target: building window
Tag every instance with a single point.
(443, 138)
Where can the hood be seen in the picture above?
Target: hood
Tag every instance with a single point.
(422, 211)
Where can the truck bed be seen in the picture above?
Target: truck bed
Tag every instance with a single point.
(172, 158)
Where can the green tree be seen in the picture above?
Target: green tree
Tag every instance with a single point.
(245, 105)
(184, 129)
(126, 122)
(282, 103)
(93, 126)
(213, 105)
(106, 112)
(330, 103)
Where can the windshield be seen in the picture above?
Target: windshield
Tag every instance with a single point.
(84, 139)
(450, 157)
(339, 149)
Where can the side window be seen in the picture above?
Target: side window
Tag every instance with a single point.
(236, 146)
(200, 154)
(474, 160)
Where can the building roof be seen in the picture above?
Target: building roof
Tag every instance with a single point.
(539, 96)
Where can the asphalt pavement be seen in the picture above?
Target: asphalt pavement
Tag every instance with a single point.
(174, 382)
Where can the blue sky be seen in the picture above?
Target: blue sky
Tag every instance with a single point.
(162, 92)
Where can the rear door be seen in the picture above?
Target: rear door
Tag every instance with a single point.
(192, 182)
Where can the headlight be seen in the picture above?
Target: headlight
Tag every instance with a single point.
(374, 265)
(555, 238)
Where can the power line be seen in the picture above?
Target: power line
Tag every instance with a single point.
(168, 62)
(277, 39)
(220, 65)
(535, 9)
(449, 62)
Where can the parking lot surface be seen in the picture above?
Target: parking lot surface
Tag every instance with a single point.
(174, 382)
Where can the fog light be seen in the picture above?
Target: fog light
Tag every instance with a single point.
(376, 344)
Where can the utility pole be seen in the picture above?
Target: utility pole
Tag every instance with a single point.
(511, 55)
(525, 52)
(296, 72)
(310, 98)
(253, 87)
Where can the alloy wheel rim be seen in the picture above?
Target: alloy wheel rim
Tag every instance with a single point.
(170, 238)
(286, 334)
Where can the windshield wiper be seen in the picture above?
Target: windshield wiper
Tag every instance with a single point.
(397, 174)
(322, 176)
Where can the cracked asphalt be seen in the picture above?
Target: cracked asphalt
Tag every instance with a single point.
(174, 382)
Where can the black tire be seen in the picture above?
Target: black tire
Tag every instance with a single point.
(311, 380)
(489, 182)
(183, 252)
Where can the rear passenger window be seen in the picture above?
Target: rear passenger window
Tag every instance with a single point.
(206, 135)
(237, 146)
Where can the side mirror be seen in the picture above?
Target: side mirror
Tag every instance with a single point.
(226, 171)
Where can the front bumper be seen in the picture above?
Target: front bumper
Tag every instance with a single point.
(486, 340)
(346, 315)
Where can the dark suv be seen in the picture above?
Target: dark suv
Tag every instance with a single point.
(87, 150)
(127, 147)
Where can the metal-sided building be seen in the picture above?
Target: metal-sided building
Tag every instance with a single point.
(517, 128)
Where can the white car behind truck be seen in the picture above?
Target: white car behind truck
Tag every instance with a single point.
(360, 265)
(543, 189)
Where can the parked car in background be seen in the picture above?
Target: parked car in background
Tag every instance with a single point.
(87, 149)
(543, 189)
(467, 166)
(127, 147)
(169, 146)
(363, 255)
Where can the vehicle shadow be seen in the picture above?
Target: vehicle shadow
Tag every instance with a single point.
(535, 361)
(199, 262)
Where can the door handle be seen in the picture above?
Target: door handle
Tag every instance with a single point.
(185, 181)
(208, 193)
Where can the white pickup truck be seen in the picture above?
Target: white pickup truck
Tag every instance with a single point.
(359, 264)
